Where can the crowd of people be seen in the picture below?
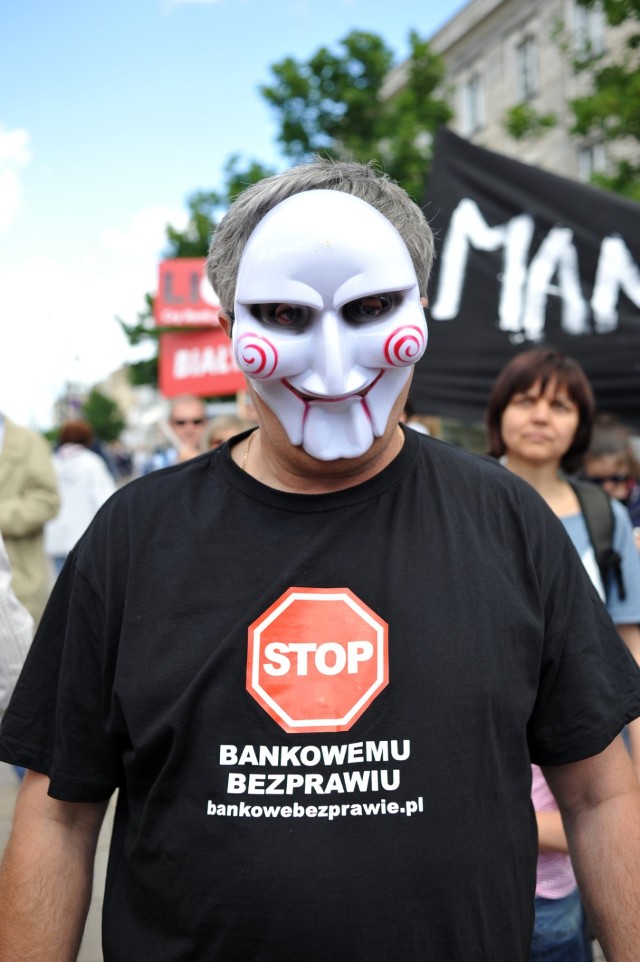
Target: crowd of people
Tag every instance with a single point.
(362, 694)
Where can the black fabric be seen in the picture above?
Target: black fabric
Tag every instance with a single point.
(598, 517)
(570, 284)
(499, 652)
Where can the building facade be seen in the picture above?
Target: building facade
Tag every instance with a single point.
(502, 55)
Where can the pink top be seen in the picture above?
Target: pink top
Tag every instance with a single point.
(554, 877)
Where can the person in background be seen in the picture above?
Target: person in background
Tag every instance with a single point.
(185, 427)
(28, 499)
(560, 932)
(223, 428)
(122, 460)
(16, 630)
(539, 421)
(85, 483)
(317, 663)
(611, 463)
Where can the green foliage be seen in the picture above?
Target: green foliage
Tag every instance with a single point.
(144, 329)
(523, 121)
(625, 180)
(144, 372)
(610, 109)
(193, 241)
(104, 416)
(328, 103)
(616, 11)
(205, 206)
(237, 178)
(334, 104)
(412, 117)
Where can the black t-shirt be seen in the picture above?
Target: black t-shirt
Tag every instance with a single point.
(320, 710)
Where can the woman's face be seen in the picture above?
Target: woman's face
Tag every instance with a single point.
(539, 427)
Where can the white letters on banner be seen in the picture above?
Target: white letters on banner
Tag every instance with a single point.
(525, 288)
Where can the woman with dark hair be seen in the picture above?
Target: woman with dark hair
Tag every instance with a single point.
(539, 422)
(553, 379)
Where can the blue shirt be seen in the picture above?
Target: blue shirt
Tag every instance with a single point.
(623, 612)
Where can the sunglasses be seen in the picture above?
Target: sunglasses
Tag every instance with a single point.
(180, 422)
(611, 478)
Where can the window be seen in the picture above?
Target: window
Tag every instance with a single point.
(527, 68)
(589, 30)
(472, 113)
(592, 159)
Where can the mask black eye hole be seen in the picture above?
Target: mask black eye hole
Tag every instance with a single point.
(292, 317)
(369, 308)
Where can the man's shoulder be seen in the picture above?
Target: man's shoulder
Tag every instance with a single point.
(146, 509)
(469, 465)
(176, 481)
(479, 481)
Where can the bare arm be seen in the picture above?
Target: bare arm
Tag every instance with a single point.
(46, 875)
(600, 802)
(630, 634)
(551, 834)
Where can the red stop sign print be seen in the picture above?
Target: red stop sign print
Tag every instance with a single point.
(316, 659)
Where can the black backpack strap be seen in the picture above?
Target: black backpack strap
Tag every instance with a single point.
(596, 509)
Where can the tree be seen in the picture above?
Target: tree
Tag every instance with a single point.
(336, 104)
(193, 241)
(104, 416)
(611, 107)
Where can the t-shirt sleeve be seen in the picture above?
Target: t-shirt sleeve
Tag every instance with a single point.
(57, 720)
(589, 684)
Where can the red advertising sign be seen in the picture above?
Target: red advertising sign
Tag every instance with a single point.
(316, 659)
(198, 362)
(185, 297)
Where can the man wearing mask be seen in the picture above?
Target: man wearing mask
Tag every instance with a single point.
(318, 663)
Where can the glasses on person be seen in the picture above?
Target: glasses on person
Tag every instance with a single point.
(604, 478)
(180, 422)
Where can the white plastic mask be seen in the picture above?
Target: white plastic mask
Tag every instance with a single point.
(328, 320)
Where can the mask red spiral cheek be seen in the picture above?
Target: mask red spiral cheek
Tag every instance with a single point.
(256, 355)
(405, 346)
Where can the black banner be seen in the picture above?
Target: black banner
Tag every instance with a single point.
(526, 259)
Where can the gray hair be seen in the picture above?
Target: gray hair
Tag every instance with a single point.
(361, 180)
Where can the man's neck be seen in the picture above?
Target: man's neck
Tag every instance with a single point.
(290, 469)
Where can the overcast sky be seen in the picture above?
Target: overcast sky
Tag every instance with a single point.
(110, 116)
